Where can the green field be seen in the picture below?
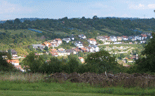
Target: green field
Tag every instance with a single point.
(44, 93)
(18, 88)
(17, 84)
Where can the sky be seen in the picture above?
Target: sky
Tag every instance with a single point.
(55, 9)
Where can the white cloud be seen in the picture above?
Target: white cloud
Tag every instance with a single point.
(139, 6)
(8, 8)
(151, 6)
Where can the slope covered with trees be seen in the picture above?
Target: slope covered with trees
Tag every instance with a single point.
(111, 26)
(20, 33)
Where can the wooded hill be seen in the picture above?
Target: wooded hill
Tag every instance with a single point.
(90, 27)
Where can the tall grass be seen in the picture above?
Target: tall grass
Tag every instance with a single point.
(19, 76)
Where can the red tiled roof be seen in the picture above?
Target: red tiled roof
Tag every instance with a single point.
(13, 61)
(92, 39)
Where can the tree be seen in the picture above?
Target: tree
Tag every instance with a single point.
(46, 48)
(17, 21)
(147, 62)
(34, 62)
(73, 64)
(55, 65)
(100, 61)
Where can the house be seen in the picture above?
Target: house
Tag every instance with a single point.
(58, 40)
(106, 43)
(132, 38)
(20, 68)
(48, 44)
(82, 59)
(119, 38)
(14, 62)
(62, 52)
(95, 48)
(92, 41)
(67, 40)
(38, 46)
(143, 36)
(90, 49)
(78, 44)
(101, 38)
(81, 36)
(138, 38)
(113, 38)
(142, 41)
(83, 49)
(54, 43)
(76, 49)
(54, 52)
(106, 38)
(125, 38)
(71, 51)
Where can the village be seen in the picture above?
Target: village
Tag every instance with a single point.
(53, 48)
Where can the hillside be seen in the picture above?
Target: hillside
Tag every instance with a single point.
(20, 33)
(87, 26)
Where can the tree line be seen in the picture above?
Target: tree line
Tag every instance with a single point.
(123, 26)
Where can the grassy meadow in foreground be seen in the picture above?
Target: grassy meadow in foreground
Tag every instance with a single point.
(33, 84)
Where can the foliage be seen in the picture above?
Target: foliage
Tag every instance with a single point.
(73, 64)
(99, 42)
(46, 48)
(147, 62)
(100, 61)
(53, 66)
(91, 27)
(34, 62)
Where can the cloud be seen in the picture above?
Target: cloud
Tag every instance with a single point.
(142, 6)
(8, 8)
(151, 6)
(139, 6)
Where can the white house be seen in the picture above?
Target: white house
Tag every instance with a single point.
(58, 40)
(67, 40)
(38, 46)
(101, 38)
(125, 38)
(92, 41)
(90, 49)
(81, 36)
(138, 38)
(113, 38)
(95, 48)
(107, 43)
(62, 52)
(78, 44)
